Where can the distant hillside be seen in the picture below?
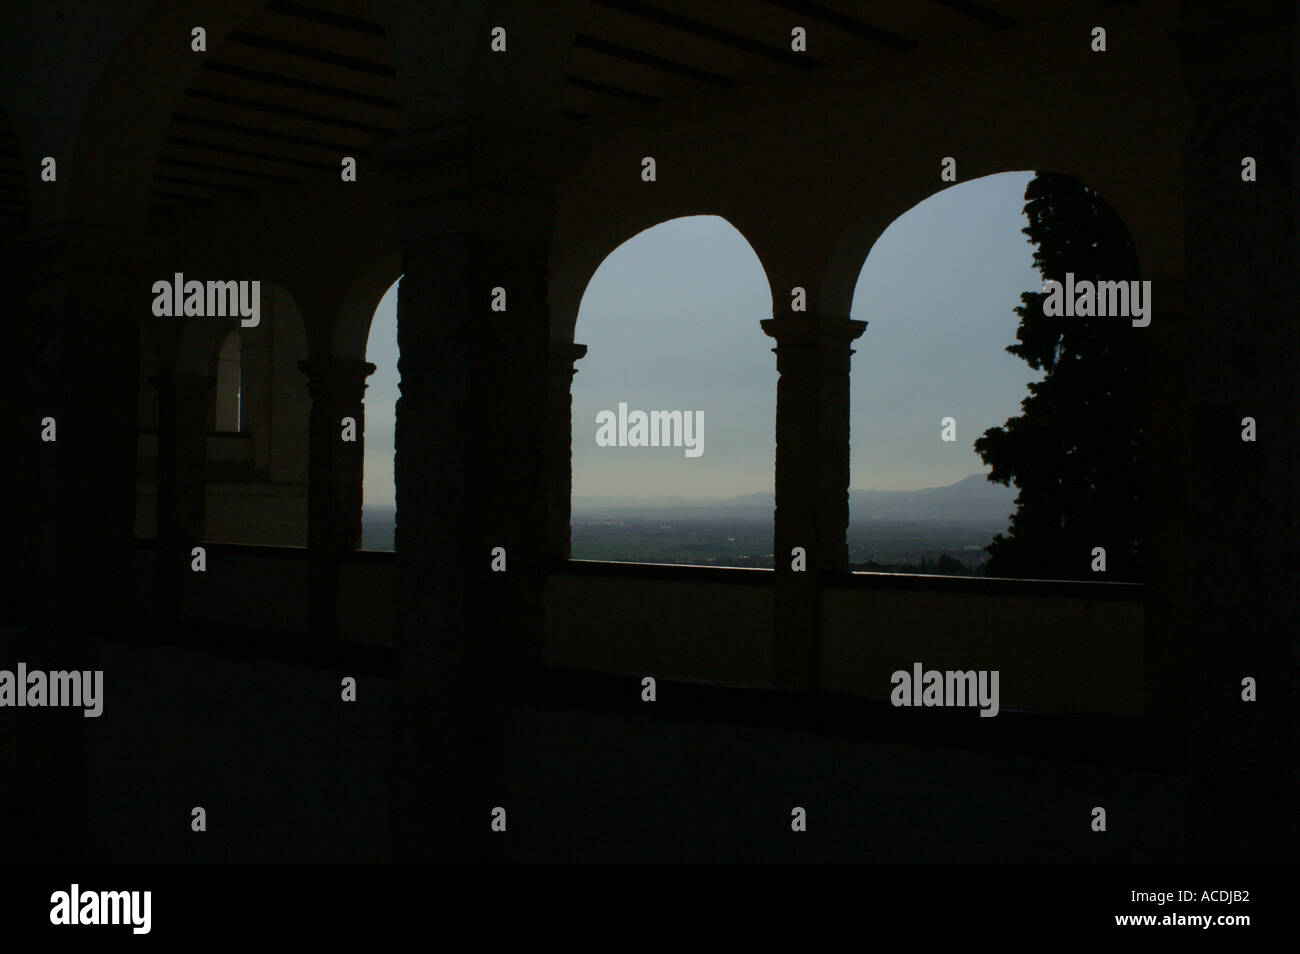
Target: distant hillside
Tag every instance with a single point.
(972, 498)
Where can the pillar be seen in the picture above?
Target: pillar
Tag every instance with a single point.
(15, 431)
(559, 444)
(475, 203)
(1243, 567)
(812, 480)
(183, 412)
(1165, 535)
(81, 291)
(334, 479)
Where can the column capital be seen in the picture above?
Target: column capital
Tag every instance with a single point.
(563, 355)
(812, 344)
(804, 330)
(341, 377)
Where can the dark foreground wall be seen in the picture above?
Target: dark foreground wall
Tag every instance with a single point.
(287, 771)
(712, 773)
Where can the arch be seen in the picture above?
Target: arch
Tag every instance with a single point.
(273, 400)
(939, 314)
(671, 321)
(1145, 212)
(198, 343)
(572, 273)
(369, 287)
(257, 468)
(116, 171)
(933, 373)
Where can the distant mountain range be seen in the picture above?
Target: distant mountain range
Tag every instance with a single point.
(971, 498)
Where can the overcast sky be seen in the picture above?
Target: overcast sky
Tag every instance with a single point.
(671, 318)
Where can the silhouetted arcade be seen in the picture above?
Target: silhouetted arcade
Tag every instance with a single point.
(515, 161)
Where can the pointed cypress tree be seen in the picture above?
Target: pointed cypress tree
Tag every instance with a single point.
(1075, 451)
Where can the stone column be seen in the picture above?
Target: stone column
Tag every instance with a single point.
(1165, 537)
(79, 341)
(335, 470)
(1243, 568)
(183, 411)
(559, 444)
(16, 425)
(81, 291)
(475, 204)
(812, 480)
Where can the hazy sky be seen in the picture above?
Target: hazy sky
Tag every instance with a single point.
(937, 292)
(671, 318)
(381, 401)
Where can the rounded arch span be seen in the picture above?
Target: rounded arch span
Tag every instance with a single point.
(370, 286)
(190, 345)
(861, 238)
(671, 323)
(199, 342)
(933, 373)
(1159, 246)
(576, 266)
(115, 171)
